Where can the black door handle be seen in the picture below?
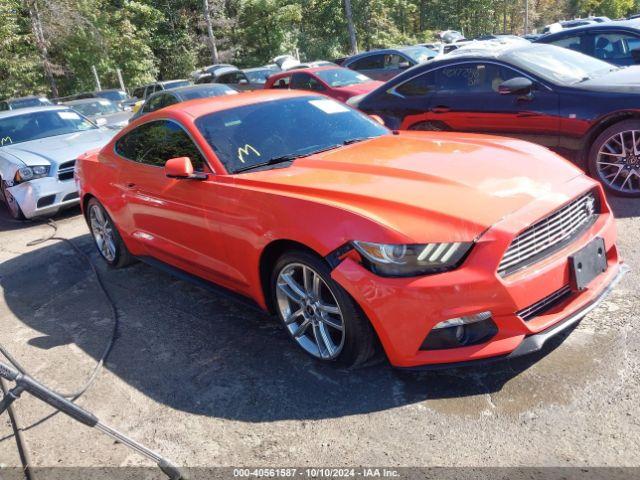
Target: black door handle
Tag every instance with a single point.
(130, 185)
(440, 109)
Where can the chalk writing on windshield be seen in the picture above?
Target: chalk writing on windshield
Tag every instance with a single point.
(5, 141)
(242, 151)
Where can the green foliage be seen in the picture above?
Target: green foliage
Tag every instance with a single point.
(165, 39)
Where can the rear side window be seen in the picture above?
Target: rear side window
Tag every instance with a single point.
(473, 77)
(369, 63)
(616, 47)
(156, 142)
(419, 86)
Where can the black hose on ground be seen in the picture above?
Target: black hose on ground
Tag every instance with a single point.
(73, 396)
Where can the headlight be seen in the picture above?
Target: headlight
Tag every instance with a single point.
(25, 174)
(397, 260)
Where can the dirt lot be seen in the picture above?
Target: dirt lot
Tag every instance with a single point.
(210, 382)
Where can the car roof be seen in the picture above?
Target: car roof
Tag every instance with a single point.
(633, 24)
(27, 97)
(224, 70)
(493, 48)
(257, 69)
(306, 70)
(164, 82)
(82, 101)
(24, 111)
(203, 106)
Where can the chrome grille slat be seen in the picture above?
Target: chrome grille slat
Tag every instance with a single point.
(550, 233)
(545, 304)
(65, 170)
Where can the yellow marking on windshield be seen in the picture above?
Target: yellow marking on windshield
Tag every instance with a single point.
(5, 140)
(242, 151)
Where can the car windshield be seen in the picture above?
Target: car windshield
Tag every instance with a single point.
(113, 95)
(176, 84)
(341, 77)
(558, 65)
(99, 107)
(35, 125)
(253, 135)
(29, 102)
(212, 90)
(419, 54)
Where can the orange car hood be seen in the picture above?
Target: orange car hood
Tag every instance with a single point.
(425, 183)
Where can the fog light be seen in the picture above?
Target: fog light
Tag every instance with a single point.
(454, 322)
(461, 332)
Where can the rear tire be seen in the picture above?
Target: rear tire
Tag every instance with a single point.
(318, 313)
(614, 158)
(106, 237)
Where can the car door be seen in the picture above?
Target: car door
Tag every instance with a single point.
(168, 217)
(372, 66)
(466, 99)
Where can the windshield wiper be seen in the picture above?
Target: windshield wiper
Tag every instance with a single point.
(356, 140)
(271, 161)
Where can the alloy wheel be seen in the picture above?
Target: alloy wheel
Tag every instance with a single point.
(618, 162)
(310, 311)
(102, 231)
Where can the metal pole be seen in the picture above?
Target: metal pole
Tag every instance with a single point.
(119, 72)
(95, 76)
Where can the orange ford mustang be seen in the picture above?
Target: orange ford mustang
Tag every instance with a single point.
(445, 248)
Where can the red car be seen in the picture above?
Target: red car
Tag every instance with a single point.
(441, 247)
(336, 82)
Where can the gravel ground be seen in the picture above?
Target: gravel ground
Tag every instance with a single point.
(210, 382)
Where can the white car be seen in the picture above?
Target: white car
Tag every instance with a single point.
(38, 151)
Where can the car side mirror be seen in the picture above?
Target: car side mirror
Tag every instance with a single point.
(516, 86)
(404, 65)
(377, 118)
(101, 122)
(182, 168)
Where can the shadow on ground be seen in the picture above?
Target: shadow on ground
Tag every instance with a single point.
(200, 352)
(624, 207)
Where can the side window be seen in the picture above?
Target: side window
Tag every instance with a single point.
(419, 86)
(473, 77)
(156, 142)
(304, 81)
(615, 46)
(154, 103)
(282, 82)
(138, 93)
(393, 61)
(179, 144)
(370, 62)
(4, 106)
(572, 43)
(143, 144)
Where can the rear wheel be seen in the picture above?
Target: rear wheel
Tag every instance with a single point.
(12, 204)
(614, 158)
(106, 236)
(318, 313)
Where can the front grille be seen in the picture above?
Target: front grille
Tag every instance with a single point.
(544, 305)
(65, 170)
(550, 234)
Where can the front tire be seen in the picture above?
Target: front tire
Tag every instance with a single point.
(106, 237)
(12, 204)
(614, 158)
(318, 313)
